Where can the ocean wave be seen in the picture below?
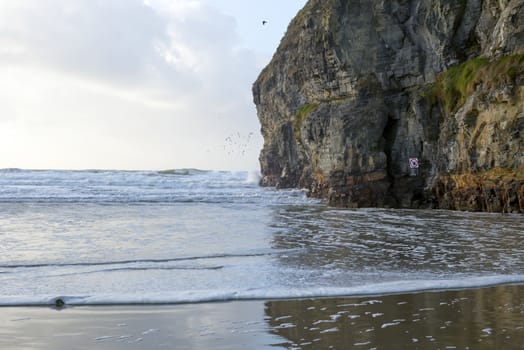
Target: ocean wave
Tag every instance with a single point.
(163, 200)
(10, 170)
(137, 261)
(183, 171)
(130, 269)
(255, 197)
(200, 296)
(140, 187)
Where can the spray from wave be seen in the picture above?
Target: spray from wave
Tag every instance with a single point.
(253, 177)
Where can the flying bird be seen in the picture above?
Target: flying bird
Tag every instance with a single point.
(264, 22)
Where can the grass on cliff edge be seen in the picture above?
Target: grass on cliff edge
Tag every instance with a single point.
(457, 83)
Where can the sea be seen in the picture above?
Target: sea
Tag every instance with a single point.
(98, 237)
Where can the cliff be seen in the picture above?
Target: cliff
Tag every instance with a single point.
(358, 87)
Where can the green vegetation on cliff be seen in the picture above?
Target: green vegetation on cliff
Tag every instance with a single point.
(458, 82)
(301, 115)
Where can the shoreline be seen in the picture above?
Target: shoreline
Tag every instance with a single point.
(473, 318)
(200, 297)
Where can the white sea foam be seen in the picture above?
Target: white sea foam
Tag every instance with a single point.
(253, 177)
(198, 296)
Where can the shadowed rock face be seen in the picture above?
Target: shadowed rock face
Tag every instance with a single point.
(357, 88)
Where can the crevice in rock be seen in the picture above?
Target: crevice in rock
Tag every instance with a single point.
(390, 134)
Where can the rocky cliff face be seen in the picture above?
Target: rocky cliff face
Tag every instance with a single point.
(358, 87)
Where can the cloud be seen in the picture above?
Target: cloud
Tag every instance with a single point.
(123, 84)
(112, 38)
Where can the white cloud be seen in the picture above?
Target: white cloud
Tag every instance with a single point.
(125, 84)
(112, 38)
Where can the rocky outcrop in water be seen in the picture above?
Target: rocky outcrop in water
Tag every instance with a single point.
(357, 88)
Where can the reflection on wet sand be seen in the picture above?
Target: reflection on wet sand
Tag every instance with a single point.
(486, 318)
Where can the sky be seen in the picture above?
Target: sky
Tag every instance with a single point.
(134, 84)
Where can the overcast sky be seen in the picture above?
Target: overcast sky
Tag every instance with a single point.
(134, 84)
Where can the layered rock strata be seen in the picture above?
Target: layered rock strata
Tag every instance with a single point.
(358, 88)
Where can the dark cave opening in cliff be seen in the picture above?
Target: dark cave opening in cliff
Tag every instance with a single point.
(389, 134)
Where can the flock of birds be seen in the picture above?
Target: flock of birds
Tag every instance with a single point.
(237, 144)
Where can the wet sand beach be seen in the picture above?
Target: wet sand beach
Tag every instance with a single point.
(484, 318)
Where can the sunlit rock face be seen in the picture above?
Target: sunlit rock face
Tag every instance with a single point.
(357, 88)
